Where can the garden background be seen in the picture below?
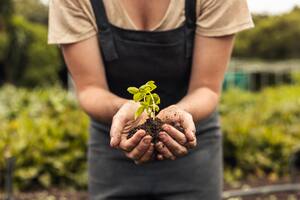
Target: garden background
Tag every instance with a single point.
(42, 127)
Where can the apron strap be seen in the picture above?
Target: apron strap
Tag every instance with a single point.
(105, 36)
(190, 26)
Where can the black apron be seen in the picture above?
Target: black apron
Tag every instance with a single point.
(131, 58)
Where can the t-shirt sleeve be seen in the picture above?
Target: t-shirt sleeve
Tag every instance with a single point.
(68, 23)
(223, 17)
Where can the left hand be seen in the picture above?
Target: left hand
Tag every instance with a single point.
(174, 143)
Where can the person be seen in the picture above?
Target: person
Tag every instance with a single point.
(182, 45)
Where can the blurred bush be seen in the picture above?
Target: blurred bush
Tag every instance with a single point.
(30, 61)
(261, 130)
(47, 133)
(296, 77)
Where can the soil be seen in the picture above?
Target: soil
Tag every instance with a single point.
(153, 127)
(50, 194)
(264, 182)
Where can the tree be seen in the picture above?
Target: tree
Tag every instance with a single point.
(32, 10)
(25, 57)
(274, 37)
(6, 10)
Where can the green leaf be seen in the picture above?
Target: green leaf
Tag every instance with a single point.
(45, 179)
(145, 104)
(145, 89)
(150, 82)
(148, 100)
(139, 112)
(152, 86)
(138, 96)
(133, 90)
(156, 108)
(156, 98)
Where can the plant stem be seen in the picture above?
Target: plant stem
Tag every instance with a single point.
(153, 106)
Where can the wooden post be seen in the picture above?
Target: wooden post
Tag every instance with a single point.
(10, 162)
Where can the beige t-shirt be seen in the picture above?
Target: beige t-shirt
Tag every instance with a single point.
(73, 20)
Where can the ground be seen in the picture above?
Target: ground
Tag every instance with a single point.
(56, 194)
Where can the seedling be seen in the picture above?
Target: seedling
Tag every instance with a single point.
(148, 101)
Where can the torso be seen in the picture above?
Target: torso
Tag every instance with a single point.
(74, 20)
(162, 56)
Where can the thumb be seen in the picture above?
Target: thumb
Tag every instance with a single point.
(116, 129)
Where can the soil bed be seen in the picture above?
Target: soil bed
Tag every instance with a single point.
(57, 194)
(261, 183)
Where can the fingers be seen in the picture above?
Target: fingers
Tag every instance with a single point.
(147, 156)
(191, 144)
(175, 134)
(188, 124)
(174, 147)
(118, 124)
(129, 144)
(164, 151)
(140, 149)
(175, 114)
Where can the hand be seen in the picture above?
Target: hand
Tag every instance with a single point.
(123, 121)
(138, 147)
(174, 143)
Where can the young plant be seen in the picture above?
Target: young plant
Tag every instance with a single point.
(148, 101)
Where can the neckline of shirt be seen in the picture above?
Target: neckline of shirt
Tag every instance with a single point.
(157, 26)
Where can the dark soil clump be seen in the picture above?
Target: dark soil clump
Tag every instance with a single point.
(153, 128)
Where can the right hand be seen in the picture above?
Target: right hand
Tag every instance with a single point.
(138, 147)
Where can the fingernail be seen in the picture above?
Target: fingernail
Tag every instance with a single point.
(162, 137)
(193, 139)
(147, 141)
(193, 133)
(151, 149)
(112, 142)
(162, 133)
(165, 127)
(159, 157)
(142, 133)
(159, 145)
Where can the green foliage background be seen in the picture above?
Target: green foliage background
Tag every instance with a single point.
(34, 61)
(274, 37)
(25, 57)
(47, 132)
(261, 131)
